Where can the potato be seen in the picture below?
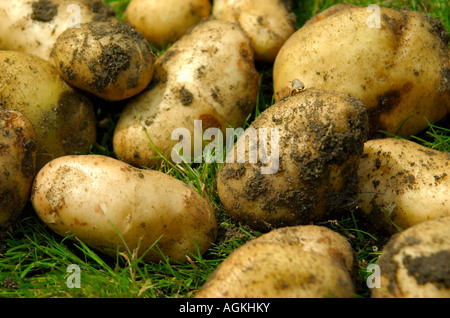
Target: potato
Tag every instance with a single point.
(268, 23)
(399, 70)
(105, 203)
(17, 165)
(302, 262)
(164, 22)
(33, 26)
(312, 171)
(62, 117)
(208, 75)
(415, 262)
(110, 60)
(402, 183)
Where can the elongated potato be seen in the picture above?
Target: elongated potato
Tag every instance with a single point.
(63, 118)
(103, 201)
(402, 183)
(207, 76)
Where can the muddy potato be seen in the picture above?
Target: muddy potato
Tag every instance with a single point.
(207, 76)
(309, 172)
(269, 23)
(33, 26)
(17, 165)
(103, 201)
(402, 183)
(164, 22)
(415, 262)
(110, 60)
(62, 117)
(289, 263)
(400, 70)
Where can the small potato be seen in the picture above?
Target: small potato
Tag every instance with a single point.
(399, 68)
(62, 117)
(105, 203)
(111, 60)
(268, 23)
(311, 173)
(402, 183)
(415, 262)
(302, 262)
(17, 165)
(164, 22)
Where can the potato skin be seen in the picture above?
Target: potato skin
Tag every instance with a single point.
(404, 180)
(63, 118)
(110, 60)
(399, 71)
(415, 262)
(17, 165)
(97, 197)
(321, 136)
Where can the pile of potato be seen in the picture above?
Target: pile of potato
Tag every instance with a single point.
(338, 82)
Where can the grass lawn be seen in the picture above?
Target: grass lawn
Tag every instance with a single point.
(34, 261)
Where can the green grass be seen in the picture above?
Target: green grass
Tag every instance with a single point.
(34, 260)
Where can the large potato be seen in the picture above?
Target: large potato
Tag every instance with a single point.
(17, 165)
(164, 22)
(33, 26)
(415, 262)
(400, 70)
(107, 203)
(111, 60)
(269, 23)
(62, 117)
(208, 75)
(289, 263)
(312, 169)
(402, 183)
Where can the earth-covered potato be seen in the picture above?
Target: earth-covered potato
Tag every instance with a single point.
(107, 203)
(293, 262)
(206, 79)
(415, 262)
(17, 165)
(396, 61)
(314, 140)
(110, 60)
(402, 183)
(33, 26)
(164, 22)
(63, 118)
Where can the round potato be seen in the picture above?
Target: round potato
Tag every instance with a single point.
(112, 206)
(268, 23)
(110, 60)
(63, 118)
(164, 22)
(402, 183)
(397, 65)
(415, 262)
(314, 141)
(17, 165)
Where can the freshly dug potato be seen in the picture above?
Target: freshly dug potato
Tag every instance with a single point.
(313, 173)
(208, 75)
(62, 117)
(302, 262)
(402, 183)
(103, 201)
(164, 22)
(269, 23)
(400, 70)
(17, 165)
(33, 26)
(111, 60)
(415, 262)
